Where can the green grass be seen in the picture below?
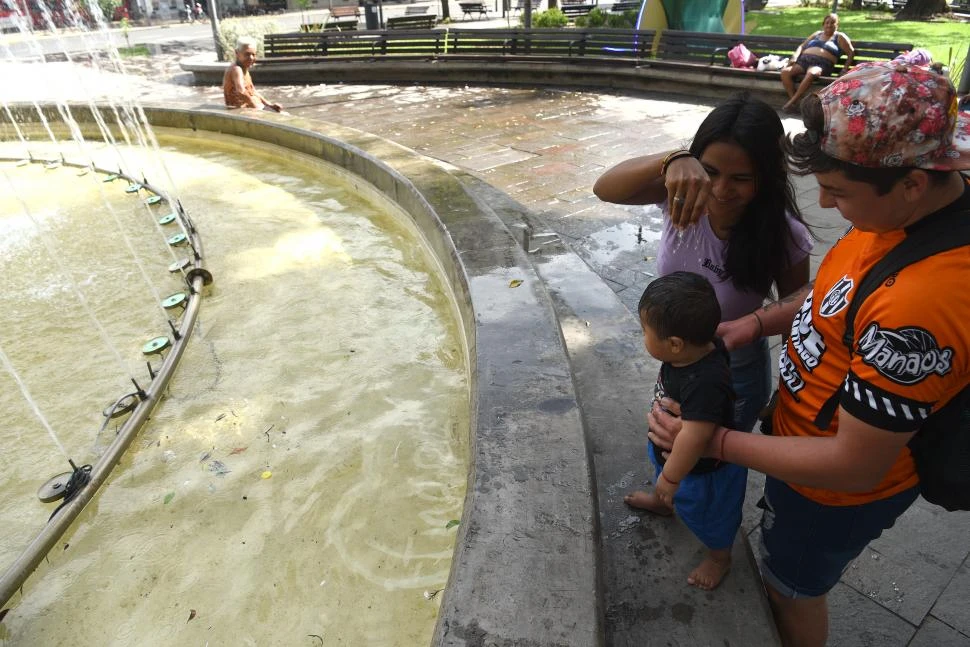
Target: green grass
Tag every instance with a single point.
(946, 39)
(136, 50)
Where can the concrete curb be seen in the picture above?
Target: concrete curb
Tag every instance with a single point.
(652, 77)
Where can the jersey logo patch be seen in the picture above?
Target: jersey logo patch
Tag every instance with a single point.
(806, 340)
(837, 298)
(904, 355)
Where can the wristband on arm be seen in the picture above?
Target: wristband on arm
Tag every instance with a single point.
(664, 477)
(761, 325)
(674, 155)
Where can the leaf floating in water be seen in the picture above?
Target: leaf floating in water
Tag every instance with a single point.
(514, 283)
(191, 615)
(168, 498)
(238, 450)
(451, 524)
(265, 475)
(219, 468)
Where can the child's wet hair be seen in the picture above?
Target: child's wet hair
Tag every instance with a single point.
(681, 304)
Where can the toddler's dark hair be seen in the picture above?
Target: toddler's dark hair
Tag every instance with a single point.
(681, 304)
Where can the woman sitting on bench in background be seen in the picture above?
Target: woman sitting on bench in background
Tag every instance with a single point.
(816, 57)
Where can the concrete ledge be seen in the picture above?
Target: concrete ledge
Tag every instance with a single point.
(659, 76)
(525, 569)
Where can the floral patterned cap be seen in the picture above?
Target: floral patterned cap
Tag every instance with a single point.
(894, 115)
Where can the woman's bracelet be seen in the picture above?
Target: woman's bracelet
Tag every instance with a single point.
(664, 477)
(673, 155)
(761, 325)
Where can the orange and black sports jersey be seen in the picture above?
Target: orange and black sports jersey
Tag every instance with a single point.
(911, 353)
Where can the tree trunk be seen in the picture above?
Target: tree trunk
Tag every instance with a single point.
(445, 13)
(921, 9)
(857, 4)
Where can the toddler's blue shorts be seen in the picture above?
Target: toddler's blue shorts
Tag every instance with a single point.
(710, 504)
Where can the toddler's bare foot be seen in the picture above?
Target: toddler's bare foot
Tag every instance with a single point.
(648, 501)
(711, 571)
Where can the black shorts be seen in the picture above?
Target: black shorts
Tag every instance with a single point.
(810, 60)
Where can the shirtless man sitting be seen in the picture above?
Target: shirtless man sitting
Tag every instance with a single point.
(237, 85)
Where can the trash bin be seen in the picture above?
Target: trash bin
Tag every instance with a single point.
(371, 16)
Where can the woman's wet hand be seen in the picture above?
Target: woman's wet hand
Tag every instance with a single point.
(688, 188)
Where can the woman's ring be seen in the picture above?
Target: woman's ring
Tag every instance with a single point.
(678, 199)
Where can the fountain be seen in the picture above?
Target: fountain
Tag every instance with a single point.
(261, 509)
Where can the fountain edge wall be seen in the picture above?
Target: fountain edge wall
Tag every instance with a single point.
(526, 562)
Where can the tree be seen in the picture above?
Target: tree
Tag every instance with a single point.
(304, 5)
(920, 9)
(445, 14)
(108, 8)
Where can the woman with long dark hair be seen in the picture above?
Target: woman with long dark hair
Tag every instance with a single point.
(729, 215)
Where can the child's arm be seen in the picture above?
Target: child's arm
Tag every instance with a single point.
(688, 448)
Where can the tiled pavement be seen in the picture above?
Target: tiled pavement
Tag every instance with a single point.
(545, 148)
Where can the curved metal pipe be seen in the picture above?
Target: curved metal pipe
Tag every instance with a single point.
(18, 572)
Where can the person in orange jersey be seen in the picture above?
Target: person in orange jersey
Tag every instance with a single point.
(886, 144)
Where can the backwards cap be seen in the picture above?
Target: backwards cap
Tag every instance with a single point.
(895, 115)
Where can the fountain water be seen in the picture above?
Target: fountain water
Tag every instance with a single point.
(379, 414)
(80, 486)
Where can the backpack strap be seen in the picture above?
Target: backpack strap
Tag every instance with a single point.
(942, 233)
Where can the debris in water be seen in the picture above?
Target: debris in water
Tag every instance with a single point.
(3, 614)
(266, 433)
(431, 595)
(514, 283)
(265, 475)
(191, 615)
(206, 456)
(219, 468)
(220, 417)
(451, 524)
(168, 498)
(317, 637)
(238, 450)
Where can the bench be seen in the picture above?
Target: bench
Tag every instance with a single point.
(363, 45)
(343, 17)
(585, 46)
(413, 21)
(696, 49)
(468, 8)
(625, 5)
(574, 10)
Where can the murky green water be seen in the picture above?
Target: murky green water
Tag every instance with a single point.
(328, 354)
